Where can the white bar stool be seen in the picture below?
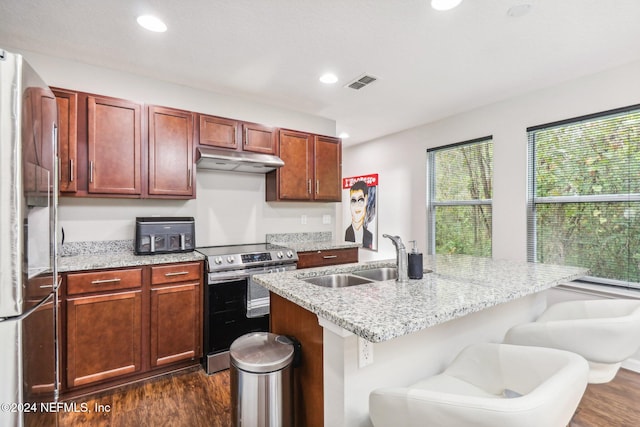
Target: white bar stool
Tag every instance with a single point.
(489, 385)
(605, 332)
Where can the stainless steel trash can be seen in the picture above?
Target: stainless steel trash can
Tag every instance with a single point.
(261, 380)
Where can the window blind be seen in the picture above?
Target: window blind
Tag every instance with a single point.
(459, 187)
(584, 195)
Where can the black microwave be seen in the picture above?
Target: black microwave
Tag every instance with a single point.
(163, 235)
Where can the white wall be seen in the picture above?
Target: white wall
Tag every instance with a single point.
(230, 207)
(400, 159)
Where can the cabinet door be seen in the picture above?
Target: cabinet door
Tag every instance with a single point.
(67, 103)
(103, 337)
(170, 152)
(294, 178)
(175, 323)
(113, 146)
(327, 169)
(258, 138)
(218, 132)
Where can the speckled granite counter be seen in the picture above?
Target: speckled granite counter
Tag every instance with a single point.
(380, 311)
(81, 256)
(308, 242)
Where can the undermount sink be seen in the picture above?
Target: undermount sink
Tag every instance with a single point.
(337, 280)
(378, 274)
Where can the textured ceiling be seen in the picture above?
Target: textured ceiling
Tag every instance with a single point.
(430, 64)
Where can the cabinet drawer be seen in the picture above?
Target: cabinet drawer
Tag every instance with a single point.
(176, 273)
(327, 257)
(107, 280)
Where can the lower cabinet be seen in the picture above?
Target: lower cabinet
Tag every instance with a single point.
(176, 316)
(130, 322)
(103, 337)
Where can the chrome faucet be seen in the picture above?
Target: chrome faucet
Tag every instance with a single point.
(401, 258)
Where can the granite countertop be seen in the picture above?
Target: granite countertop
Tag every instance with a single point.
(310, 242)
(457, 286)
(82, 256)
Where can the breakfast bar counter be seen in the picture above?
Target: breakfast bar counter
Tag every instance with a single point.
(385, 333)
(452, 286)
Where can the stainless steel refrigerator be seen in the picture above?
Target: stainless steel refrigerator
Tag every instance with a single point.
(28, 272)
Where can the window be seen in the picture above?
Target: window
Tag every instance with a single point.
(459, 192)
(584, 195)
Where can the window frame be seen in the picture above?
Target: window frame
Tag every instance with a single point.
(533, 201)
(432, 204)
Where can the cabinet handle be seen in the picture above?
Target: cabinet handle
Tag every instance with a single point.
(100, 282)
(177, 273)
(189, 178)
(330, 256)
(71, 177)
(246, 136)
(46, 286)
(317, 186)
(309, 186)
(91, 171)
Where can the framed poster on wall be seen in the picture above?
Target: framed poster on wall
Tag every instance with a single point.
(361, 210)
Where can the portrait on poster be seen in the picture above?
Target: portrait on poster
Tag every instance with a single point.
(360, 213)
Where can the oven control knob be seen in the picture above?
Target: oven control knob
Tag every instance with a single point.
(230, 259)
(280, 254)
(217, 260)
(289, 254)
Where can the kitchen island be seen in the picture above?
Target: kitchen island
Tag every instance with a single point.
(389, 334)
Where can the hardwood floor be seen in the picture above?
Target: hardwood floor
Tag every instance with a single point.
(614, 404)
(196, 399)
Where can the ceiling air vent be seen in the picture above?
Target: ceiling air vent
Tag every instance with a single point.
(362, 81)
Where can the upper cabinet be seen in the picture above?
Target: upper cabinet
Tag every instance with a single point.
(170, 152)
(113, 146)
(218, 132)
(312, 169)
(104, 151)
(236, 135)
(259, 138)
(110, 147)
(67, 102)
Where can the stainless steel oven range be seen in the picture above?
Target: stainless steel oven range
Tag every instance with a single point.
(233, 304)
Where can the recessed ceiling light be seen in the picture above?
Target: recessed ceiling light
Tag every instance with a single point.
(152, 23)
(444, 4)
(343, 135)
(328, 78)
(519, 10)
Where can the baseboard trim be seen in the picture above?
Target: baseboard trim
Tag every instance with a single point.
(632, 365)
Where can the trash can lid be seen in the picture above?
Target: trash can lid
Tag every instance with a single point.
(261, 352)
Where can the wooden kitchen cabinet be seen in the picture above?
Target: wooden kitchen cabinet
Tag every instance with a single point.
(218, 132)
(312, 170)
(327, 166)
(170, 167)
(130, 323)
(67, 102)
(114, 146)
(324, 258)
(236, 135)
(103, 325)
(176, 316)
(259, 138)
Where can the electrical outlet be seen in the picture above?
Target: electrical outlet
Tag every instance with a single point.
(326, 219)
(365, 352)
(303, 219)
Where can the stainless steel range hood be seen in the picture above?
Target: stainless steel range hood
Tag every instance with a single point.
(237, 161)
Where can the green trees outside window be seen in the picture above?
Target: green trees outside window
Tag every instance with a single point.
(585, 195)
(460, 183)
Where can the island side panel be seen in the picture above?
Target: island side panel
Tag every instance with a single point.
(287, 318)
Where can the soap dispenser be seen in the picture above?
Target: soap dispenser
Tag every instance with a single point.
(415, 263)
